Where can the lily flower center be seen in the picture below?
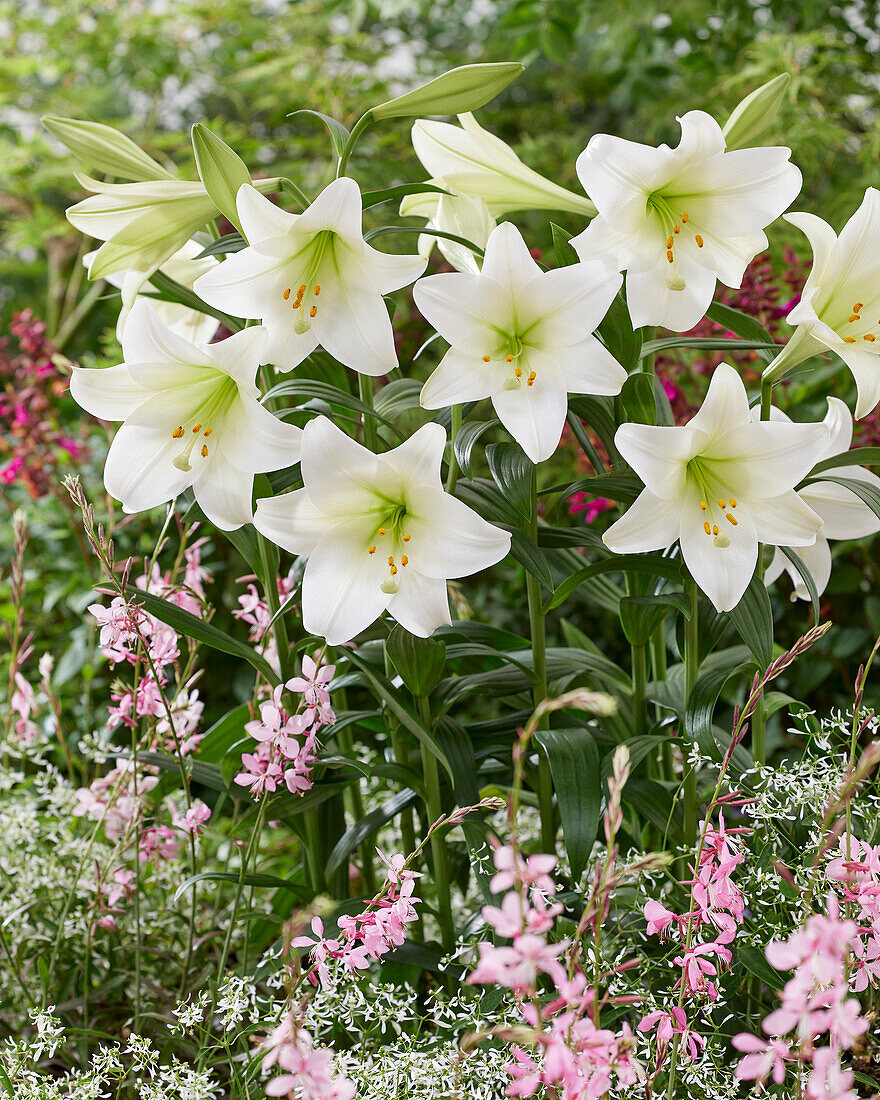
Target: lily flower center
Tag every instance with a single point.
(676, 227)
(716, 508)
(199, 426)
(391, 541)
(856, 328)
(510, 353)
(303, 292)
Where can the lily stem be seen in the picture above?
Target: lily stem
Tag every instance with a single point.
(365, 391)
(691, 667)
(537, 628)
(438, 845)
(362, 123)
(452, 472)
(639, 683)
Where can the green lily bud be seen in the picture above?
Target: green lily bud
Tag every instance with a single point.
(463, 89)
(104, 149)
(749, 120)
(222, 171)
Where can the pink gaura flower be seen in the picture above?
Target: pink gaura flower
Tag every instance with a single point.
(762, 1059)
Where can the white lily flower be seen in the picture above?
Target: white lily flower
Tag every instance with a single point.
(720, 484)
(521, 336)
(184, 268)
(470, 161)
(843, 514)
(313, 280)
(839, 308)
(466, 217)
(678, 219)
(142, 224)
(380, 532)
(192, 417)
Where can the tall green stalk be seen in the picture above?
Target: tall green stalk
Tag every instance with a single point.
(539, 663)
(365, 392)
(452, 472)
(438, 845)
(691, 667)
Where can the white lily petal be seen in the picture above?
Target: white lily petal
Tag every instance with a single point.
(342, 592)
(865, 367)
(565, 305)
(766, 459)
(286, 347)
(650, 523)
(858, 259)
(421, 605)
(744, 190)
(617, 174)
(463, 309)
(726, 405)
(507, 260)
(459, 377)
(260, 218)
(389, 272)
(147, 340)
(723, 571)
(652, 302)
(244, 284)
(292, 521)
(338, 472)
(354, 327)
(448, 539)
(224, 494)
(338, 208)
(784, 520)
(778, 565)
(139, 470)
(823, 241)
(816, 559)
(659, 455)
(534, 415)
(701, 138)
(254, 440)
(625, 251)
(839, 422)
(110, 393)
(418, 458)
(240, 355)
(844, 515)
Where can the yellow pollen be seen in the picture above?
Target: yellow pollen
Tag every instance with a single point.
(207, 432)
(870, 337)
(732, 502)
(404, 560)
(286, 294)
(313, 311)
(177, 433)
(518, 372)
(702, 506)
(197, 428)
(297, 304)
(714, 528)
(371, 550)
(849, 339)
(508, 359)
(685, 218)
(530, 381)
(669, 255)
(721, 503)
(393, 570)
(486, 358)
(858, 307)
(676, 229)
(854, 317)
(204, 450)
(406, 538)
(669, 242)
(300, 290)
(706, 527)
(381, 530)
(317, 290)
(391, 561)
(732, 519)
(699, 240)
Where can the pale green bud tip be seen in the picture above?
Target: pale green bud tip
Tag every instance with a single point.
(460, 90)
(104, 149)
(221, 170)
(753, 116)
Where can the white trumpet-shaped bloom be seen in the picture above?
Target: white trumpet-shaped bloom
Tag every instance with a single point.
(464, 216)
(192, 417)
(522, 337)
(678, 219)
(720, 484)
(184, 268)
(313, 280)
(840, 303)
(380, 532)
(844, 515)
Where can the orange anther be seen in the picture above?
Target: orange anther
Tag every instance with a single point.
(393, 570)
(317, 290)
(733, 502)
(714, 528)
(371, 550)
(870, 337)
(721, 503)
(854, 317)
(858, 307)
(699, 240)
(313, 311)
(669, 242)
(286, 294)
(508, 358)
(702, 506)
(685, 218)
(849, 339)
(706, 527)
(204, 450)
(669, 255)
(207, 432)
(486, 358)
(676, 229)
(404, 560)
(732, 519)
(381, 530)
(177, 433)
(406, 538)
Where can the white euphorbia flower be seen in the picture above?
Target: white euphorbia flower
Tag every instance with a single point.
(720, 484)
(521, 336)
(380, 532)
(184, 268)
(678, 219)
(192, 417)
(843, 514)
(313, 280)
(840, 303)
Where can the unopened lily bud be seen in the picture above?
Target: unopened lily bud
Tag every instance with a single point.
(221, 170)
(752, 117)
(104, 149)
(463, 89)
